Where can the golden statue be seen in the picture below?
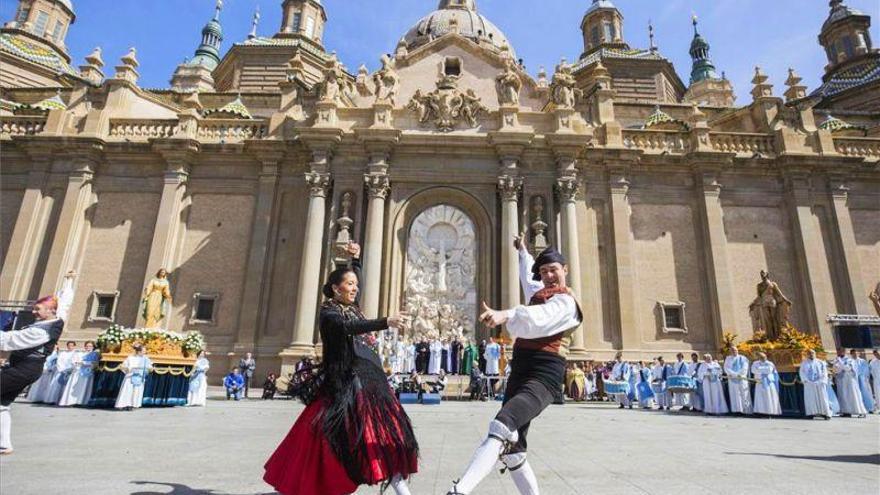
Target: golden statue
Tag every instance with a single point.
(875, 298)
(770, 310)
(156, 295)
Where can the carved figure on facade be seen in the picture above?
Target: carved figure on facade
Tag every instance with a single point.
(875, 298)
(447, 106)
(771, 309)
(387, 82)
(563, 90)
(335, 87)
(440, 278)
(509, 84)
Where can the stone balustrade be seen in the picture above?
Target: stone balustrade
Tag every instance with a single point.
(742, 143)
(21, 125)
(656, 141)
(141, 130)
(231, 130)
(858, 147)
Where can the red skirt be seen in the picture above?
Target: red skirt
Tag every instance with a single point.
(304, 463)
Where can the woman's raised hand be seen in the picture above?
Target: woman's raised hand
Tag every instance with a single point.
(354, 249)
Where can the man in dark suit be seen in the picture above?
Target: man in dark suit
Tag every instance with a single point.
(247, 365)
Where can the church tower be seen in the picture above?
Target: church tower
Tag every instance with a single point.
(845, 34)
(706, 88)
(195, 74)
(602, 26)
(33, 49)
(303, 18)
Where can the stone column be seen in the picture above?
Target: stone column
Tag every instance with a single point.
(509, 187)
(718, 272)
(846, 240)
(624, 259)
(811, 262)
(253, 294)
(378, 187)
(309, 284)
(567, 190)
(70, 227)
(27, 237)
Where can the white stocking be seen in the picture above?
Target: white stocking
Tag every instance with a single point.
(5, 428)
(484, 458)
(525, 480)
(399, 485)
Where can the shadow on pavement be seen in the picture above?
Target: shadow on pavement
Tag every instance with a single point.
(179, 489)
(855, 459)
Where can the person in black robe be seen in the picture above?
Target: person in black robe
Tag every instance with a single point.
(455, 349)
(422, 355)
(482, 355)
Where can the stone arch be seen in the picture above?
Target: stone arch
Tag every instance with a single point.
(401, 222)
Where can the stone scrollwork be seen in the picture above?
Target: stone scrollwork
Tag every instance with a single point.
(378, 185)
(567, 188)
(318, 183)
(509, 186)
(447, 106)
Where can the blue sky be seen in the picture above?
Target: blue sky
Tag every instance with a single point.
(775, 34)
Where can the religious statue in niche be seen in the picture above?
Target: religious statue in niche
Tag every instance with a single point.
(156, 300)
(771, 309)
(563, 93)
(440, 274)
(387, 82)
(447, 106)
(509, 84)
(875, 298)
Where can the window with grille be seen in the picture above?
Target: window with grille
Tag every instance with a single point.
(104, 305)
(672, 317)
(40, 24)
(297, 21)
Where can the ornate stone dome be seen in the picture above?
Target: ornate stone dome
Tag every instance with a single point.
(471, 25)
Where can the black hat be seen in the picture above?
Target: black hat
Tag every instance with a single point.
(546, 257)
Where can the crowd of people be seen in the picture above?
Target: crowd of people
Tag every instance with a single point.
(847, 386)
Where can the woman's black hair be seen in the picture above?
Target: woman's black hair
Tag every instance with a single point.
(335, 278)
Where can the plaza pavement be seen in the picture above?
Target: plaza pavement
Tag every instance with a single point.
(575, 449)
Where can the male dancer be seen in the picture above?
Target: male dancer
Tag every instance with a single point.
(543, 332)
(30, 347)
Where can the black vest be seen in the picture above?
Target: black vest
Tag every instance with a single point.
(42, 351)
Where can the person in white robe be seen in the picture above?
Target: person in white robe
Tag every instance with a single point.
(848, 394)
(37, 391)
(863, 372)
(814, 375)
(136, 368)
(399, 356)
(766, 387)
(446, 356)
(78, 390)
(621, 372)
(713, 392)
(410, 363)
(64, 366)
(493, 358)
(680, 368)
(436, 353)
(659, 374)
(736, 367)
(874, 366)
(643, 385)
(694, 368)
(198, 382)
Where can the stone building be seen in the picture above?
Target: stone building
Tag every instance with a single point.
(248, 174)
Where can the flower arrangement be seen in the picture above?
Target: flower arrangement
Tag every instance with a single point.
(786, 351)
(118, 339)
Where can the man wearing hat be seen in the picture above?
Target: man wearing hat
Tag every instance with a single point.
(543, 332)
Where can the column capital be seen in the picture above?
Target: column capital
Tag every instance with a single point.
(711, 184)
(509, 186)
(568, 188)
(378, 185)
(618, 181)
(319, 183)
(838, 187)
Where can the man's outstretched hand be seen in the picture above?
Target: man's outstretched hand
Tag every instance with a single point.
(491, 317)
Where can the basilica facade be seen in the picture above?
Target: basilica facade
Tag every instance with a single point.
(250, 174)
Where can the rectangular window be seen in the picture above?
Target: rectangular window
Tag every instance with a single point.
(56, 33)
(310, 27)
(848, 47)
(609, 32)
(23, 14)
(104, 305)
(594, 34)
(452, 66)
(672, 317)
(297, 21)
(42, 21)
(204, 311)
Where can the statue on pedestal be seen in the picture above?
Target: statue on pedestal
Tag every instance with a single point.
(156, 295)
(509, 85)
(770, 310)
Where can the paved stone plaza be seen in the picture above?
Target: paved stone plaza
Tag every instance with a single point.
(575, 449)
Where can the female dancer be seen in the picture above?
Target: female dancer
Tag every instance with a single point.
(353, 430)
